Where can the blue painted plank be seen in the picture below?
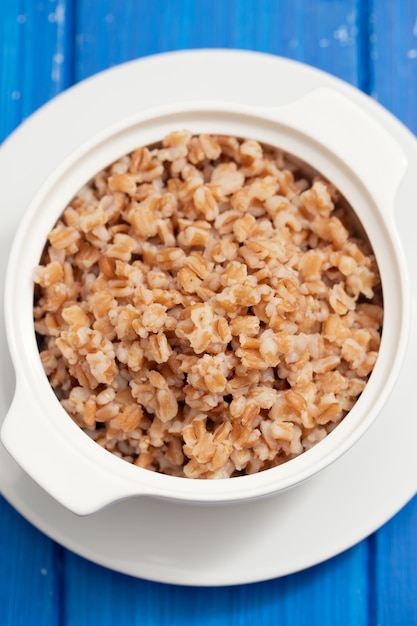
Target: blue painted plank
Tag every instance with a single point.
(11, 37)
(393, 82)
(29, 573)
(325, 34)
(396, 570)
(36, 60)
(393, 51)
(99, 596)
(34, 42)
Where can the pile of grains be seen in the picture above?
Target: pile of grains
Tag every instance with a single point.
(204, 310)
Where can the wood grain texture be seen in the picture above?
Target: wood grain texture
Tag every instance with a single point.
(29, 573)
(37, 56)
(395, 570)
(393, 82)
(393, 53)
(335, 592)
(325, 33)
(45, 46)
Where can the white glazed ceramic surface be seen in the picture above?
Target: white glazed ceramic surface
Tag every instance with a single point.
(323, 128)
(245, 542)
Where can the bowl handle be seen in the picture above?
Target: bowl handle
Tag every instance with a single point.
(85, 488)
(354, 136)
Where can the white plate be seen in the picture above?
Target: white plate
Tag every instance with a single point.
(228, 544)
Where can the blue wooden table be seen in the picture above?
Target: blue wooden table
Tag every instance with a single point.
(45, 47)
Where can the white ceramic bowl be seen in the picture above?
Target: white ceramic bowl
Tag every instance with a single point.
(324, 129)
